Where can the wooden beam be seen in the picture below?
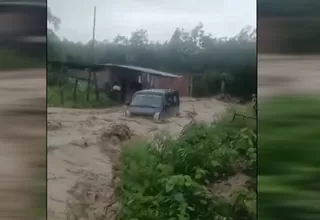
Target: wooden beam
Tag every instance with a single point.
(191, 85)
(243, 116)
(61, 92)
(96, 85)
(61, 75)
(75, 92)
(88, 85)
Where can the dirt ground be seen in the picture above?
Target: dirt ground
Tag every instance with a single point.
(279, 74)
(23, 140)
(80, 171)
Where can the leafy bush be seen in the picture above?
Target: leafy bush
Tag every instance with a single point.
(289, 132)
(171, 179)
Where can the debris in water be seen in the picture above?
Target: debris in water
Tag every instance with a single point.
(91, 198)
(51, 125)
(121, 131)
(81, 143)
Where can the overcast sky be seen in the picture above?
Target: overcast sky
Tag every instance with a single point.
(159, 17)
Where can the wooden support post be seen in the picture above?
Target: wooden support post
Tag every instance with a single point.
(61, 85)
(61, 92)
(88, 86)
(75, 92)
(191, 85)
(96, 85)
(234, 116)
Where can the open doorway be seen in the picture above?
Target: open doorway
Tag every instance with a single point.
(132, 88)
(136, 86)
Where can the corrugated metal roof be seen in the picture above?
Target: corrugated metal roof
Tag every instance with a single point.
(145, 70)
(75, 65)
(98, 67)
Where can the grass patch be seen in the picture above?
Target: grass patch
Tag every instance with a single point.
(289, 173)
(170, 179)
(54, 100)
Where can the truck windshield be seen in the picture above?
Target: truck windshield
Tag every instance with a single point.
(146, 100)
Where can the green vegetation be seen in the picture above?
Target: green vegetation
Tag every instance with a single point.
(288, 8)
(295, 24)
(54, 100)
(172, 179)
(186, 52)
(289, 132)
(210, 84)
(12, 60)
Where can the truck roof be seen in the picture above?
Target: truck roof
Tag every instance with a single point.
(159, 91)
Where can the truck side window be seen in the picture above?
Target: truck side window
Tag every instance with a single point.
(175, 100)
(169, 99)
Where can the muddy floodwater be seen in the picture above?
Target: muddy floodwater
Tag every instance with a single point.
(80, 169)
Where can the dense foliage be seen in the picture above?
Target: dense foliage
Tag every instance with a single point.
(288, 8)
(11, 59)
(186, 52)
(295, 25)
(172, 179)
(299, 36)
(288, 159)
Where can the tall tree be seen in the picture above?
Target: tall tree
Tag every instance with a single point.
(186, 52)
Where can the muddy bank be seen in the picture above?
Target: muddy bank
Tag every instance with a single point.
(279, 74)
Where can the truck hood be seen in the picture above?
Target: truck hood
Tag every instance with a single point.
(143, 111)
